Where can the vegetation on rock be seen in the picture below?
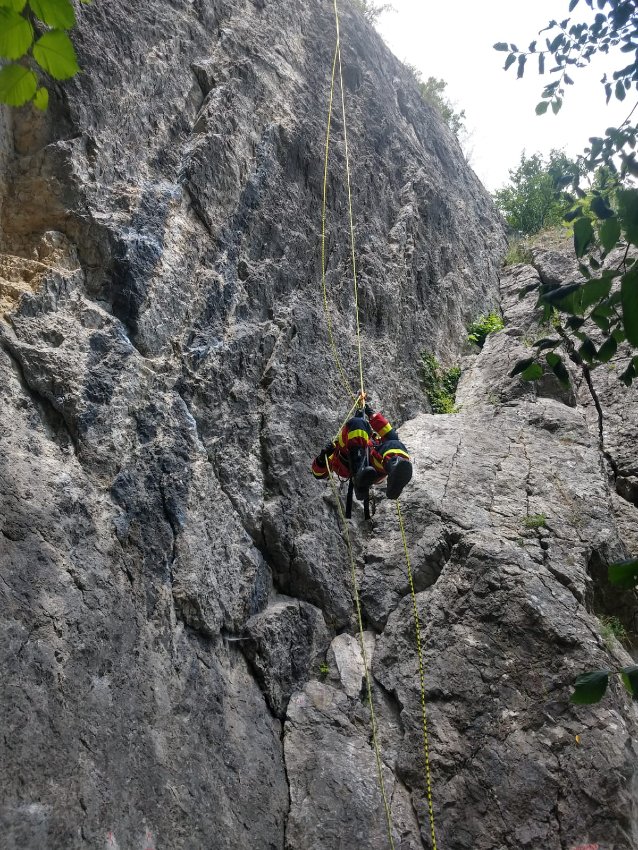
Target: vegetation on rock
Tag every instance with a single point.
(372, 10)
(482, 327)
(439, 384)
(433, 92)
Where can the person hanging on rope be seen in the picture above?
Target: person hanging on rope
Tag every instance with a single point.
(367, 449)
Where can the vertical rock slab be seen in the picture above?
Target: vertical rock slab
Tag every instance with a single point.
(335, 801)
(116, 718)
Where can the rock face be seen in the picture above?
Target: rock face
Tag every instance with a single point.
(173, 578)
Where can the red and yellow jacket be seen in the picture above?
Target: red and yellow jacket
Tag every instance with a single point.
(351, 435)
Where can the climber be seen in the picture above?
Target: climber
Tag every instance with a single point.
(367, 450)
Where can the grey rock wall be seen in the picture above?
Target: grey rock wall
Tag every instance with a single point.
(172, 577)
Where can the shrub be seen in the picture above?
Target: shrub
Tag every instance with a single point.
(611, 627)
(535, 521)
(482, 327)
(439, 384)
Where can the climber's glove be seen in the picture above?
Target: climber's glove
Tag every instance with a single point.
(325, 453)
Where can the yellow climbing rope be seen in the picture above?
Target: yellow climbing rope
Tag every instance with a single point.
(326, 310)
(358, 399)
(350, 215)
(355, 593)
(336, 62)
(424, 719)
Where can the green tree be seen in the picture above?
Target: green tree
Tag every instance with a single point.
(534, 199)
(373, 10)
(33, 36)
(596, 316)
(433, 91)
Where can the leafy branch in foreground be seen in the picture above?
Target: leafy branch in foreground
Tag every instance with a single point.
(590, 687)
(51, 52)
(595, 316)
(572, 45)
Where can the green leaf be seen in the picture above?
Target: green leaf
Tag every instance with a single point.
(629, 676)
(582, 268)
(54, 52)
(54, 13)
(527, 289)
(41, 99)
(609, 233)
(560, 294)
(628, 213)
(630, 372)
(521, 366)
(546, 342)
(590, 687)
(583, 235)
(575, 322)
(16, 34)
(16, 5)
(588, 350)
(17, 85)
(532, 373)
(541, 108)
(558, 368)
(572, 214)
(629, 301)
(509, 61)
(623, 573)
(556, 105)
(620, 90)
(601, 321)
(501, 45)
(601, 208)
(594, 290)
(607, 350)
(522, 59)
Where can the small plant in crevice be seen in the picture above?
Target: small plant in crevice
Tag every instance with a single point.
(518, 252)
(439, 384)
(535, 521)
(482, 327)
(324, 669)
(612, 628)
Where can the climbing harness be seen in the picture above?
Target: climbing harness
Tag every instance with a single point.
(359, 400)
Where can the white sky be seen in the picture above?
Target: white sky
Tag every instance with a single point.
(453, 40)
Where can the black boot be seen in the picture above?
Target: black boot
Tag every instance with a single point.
(361, 473)
(399, 471)
(363, 480)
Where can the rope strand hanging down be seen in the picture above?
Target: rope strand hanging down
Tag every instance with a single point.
(337, 63)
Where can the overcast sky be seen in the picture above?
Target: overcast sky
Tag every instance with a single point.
(454, 39)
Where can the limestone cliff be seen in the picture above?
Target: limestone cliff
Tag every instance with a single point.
(172, 579)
